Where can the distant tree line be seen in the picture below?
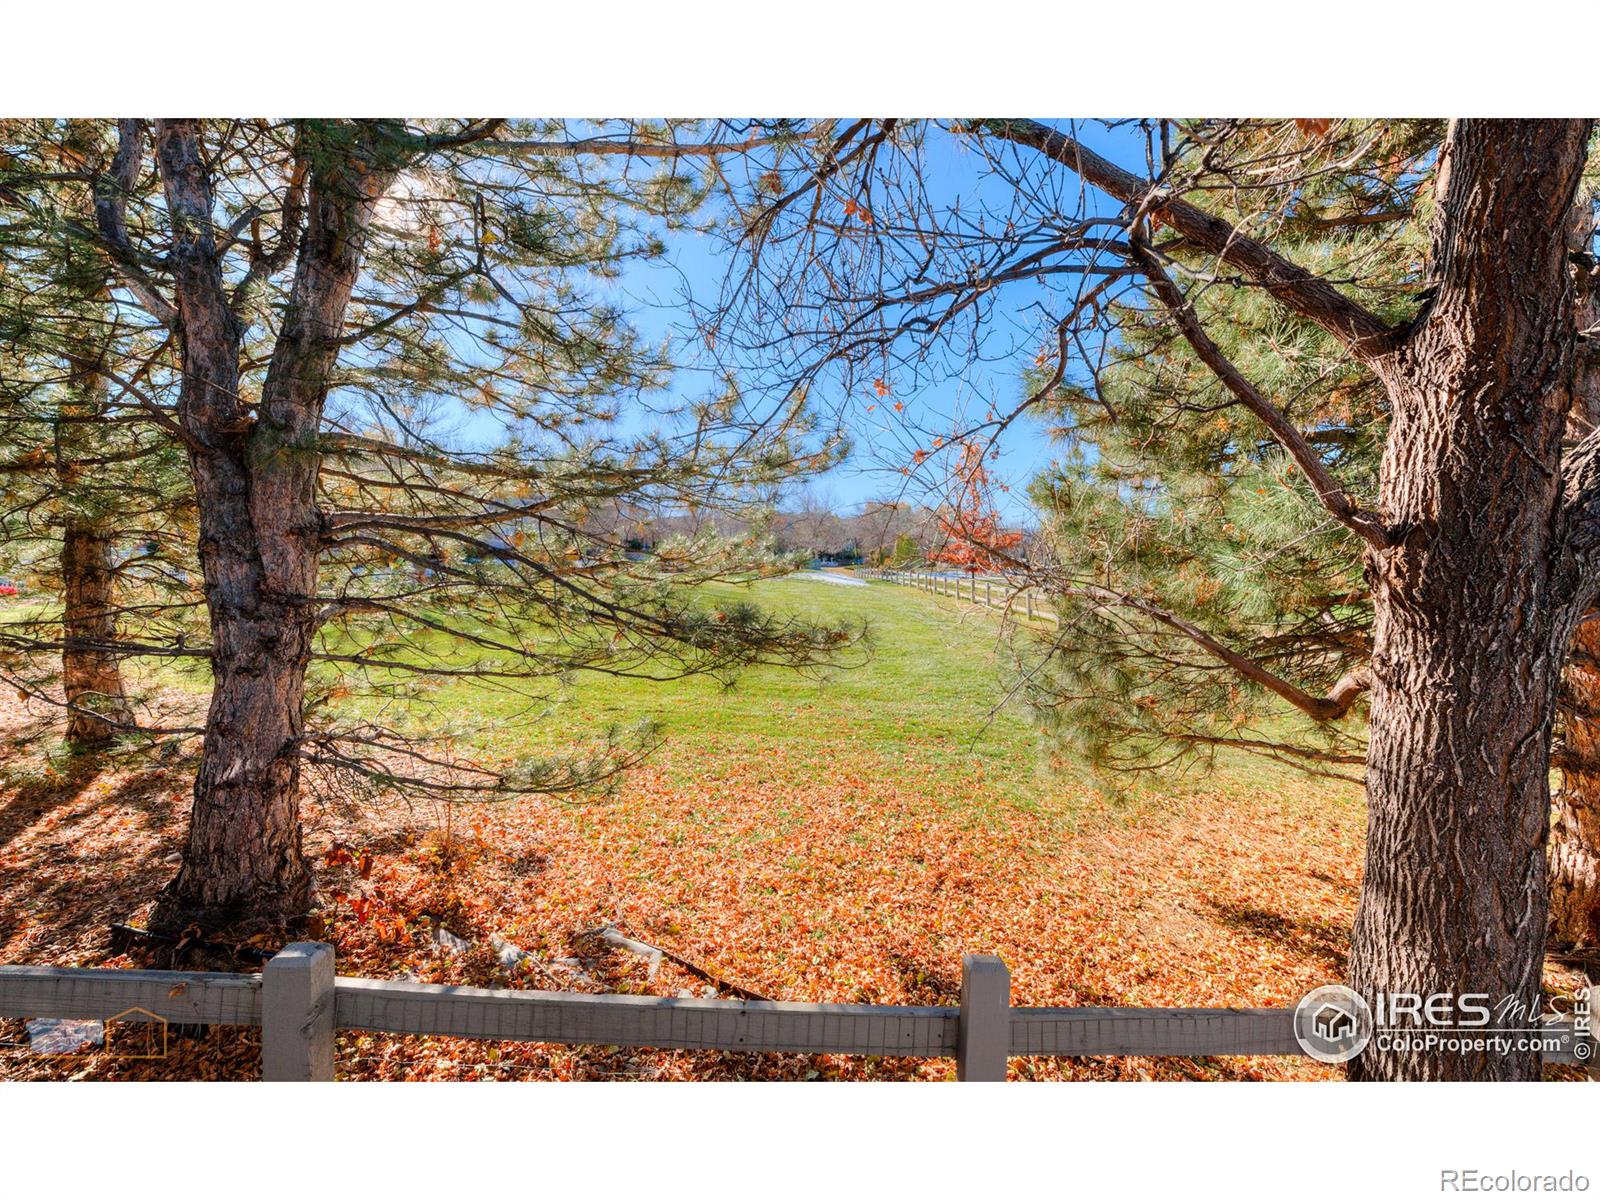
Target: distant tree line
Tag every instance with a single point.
(811, 526)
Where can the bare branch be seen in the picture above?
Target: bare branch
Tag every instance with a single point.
(111, 216)
(1297, 289)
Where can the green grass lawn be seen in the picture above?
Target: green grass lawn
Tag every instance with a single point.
(929, 696)
(931, 677)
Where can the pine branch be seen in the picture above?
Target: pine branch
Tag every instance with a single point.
(1333, 497)
(1331, 707)
(1296, 288)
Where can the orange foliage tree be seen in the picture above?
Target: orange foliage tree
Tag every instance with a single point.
(973, 538)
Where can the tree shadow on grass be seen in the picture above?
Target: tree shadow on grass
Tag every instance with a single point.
(80, 856)
(1315, 939)
(31, 796)
(1349, 889)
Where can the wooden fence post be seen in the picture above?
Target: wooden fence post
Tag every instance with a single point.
(297, 1014)
(985, 1020)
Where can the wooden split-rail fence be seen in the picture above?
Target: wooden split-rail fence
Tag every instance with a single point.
(298, 1003)
(995, 591)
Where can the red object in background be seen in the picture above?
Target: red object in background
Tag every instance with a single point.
(975, 542)
(7, 590)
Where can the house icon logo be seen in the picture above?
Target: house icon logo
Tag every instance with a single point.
(136, 1033)
(1332, 1023)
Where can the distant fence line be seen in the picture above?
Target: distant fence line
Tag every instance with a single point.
(995, 591)
(298, 1003)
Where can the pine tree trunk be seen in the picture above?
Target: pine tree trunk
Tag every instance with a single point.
(1453, 900)
(1575, 821)
(255, 477)
(91, 676)
(1470, 632)
(244, 862)
(1575, 824)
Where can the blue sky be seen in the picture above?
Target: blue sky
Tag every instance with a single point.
(696, 264)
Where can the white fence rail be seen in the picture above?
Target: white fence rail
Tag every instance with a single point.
(298, 1003)
(994, 591)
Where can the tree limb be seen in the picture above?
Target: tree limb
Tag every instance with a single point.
(1332, 707)
(111, 218)
(1297, 289)
(1333, 497)
(637, 149)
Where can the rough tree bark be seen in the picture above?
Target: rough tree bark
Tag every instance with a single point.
(1473, 614)
(91, 676)
(260, 531)
(1575, 822)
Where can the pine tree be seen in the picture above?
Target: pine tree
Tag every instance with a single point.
(95, 505)
(1477, 536)
(338, 298)
(1221, 534)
